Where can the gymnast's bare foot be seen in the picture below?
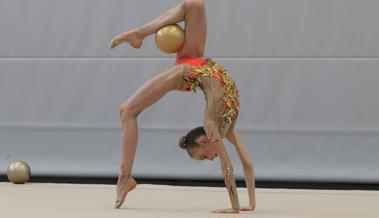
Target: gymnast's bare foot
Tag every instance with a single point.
(133, 37)
(121, 192)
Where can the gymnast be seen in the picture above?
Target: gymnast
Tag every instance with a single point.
(191, 72)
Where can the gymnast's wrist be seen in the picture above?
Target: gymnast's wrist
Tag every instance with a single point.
(236, 207)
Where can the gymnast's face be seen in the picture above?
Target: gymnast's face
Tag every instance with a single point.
(205, 151)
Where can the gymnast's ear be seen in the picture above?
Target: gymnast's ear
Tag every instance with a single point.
(204, 140)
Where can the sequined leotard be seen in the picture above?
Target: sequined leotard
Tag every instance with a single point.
(209, 68)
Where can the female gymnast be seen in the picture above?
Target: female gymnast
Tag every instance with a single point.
(191, 71)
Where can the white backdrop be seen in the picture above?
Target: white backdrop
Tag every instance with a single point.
(307, 71)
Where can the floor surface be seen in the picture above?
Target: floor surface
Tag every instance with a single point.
(45, 200)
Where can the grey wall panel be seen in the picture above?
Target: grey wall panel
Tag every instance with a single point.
(239, 28)
(81, 92)
(275, 94)
(302, 119)
(307, 71)
(278, 155)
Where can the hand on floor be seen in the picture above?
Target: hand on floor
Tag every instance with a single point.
(247, 208)
(230, 210)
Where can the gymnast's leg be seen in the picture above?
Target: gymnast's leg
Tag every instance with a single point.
(191, 11)
(148, 94)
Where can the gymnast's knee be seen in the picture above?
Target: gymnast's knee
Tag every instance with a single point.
(128, 110)
(192, 4)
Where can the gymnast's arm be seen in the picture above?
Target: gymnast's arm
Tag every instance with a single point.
(212, 132)
(248, 166)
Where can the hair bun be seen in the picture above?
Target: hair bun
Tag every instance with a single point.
(182, 142)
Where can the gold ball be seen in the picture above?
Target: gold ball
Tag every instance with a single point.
(19, 172)
(170, 39)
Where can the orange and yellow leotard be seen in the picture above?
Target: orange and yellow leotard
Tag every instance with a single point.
(208, 68)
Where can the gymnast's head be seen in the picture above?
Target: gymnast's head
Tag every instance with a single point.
(197, 145)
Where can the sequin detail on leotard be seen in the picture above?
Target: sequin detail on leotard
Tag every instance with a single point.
(209, 68)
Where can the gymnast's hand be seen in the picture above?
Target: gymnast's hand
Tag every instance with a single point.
(229, 210)
(247, 208)
(134, 38)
